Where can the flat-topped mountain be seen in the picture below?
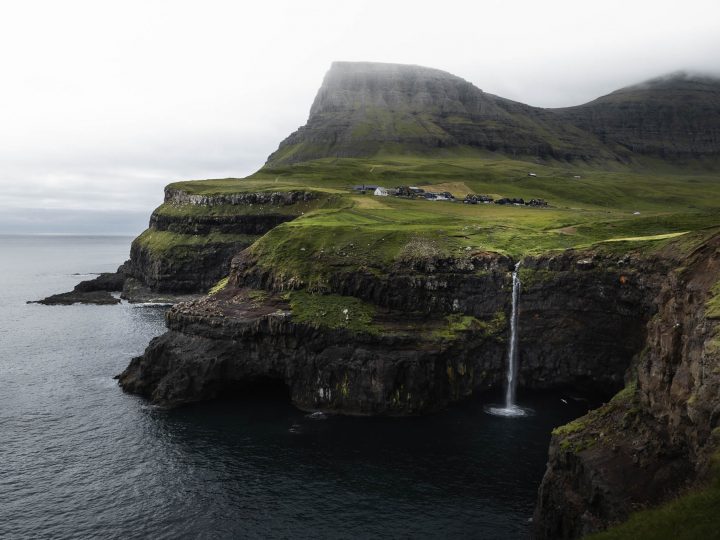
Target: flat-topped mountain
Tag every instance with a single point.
(364, 109)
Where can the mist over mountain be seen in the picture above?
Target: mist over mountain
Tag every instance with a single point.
(364, 109)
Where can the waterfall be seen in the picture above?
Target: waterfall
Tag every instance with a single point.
(512, 350)
(510, 408)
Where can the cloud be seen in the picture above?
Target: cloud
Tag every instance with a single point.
(103, 104)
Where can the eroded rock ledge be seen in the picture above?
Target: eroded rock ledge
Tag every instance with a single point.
(433, 339)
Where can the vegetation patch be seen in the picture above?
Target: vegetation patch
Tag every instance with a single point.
(712, 307)
(645, 208)
(693, 515)
(165, 242)
(332, 311)
(582, 433)
(219, 286)
(530, 277)
(458, 325)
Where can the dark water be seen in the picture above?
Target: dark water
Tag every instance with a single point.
(78, 458)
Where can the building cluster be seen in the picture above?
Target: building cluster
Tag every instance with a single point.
(414, 192)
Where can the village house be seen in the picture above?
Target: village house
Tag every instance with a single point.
(365, 187)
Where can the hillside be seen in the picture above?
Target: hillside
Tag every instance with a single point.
(370, 109)
(673, 117)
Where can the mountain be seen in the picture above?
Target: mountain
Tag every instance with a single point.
(676, 116)
(364, 109)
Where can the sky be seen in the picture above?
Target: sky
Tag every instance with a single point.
(104, 103)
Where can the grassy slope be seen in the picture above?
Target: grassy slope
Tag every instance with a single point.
(372, 232)
(693, 515)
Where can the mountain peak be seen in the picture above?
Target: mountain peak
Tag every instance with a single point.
(364, 109)
(355, 85)
(677, 80)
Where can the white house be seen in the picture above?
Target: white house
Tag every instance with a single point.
(380, 192)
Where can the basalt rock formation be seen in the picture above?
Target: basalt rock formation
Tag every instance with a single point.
(191, 239)
(91, 291)
(656, 437)
(582, 320)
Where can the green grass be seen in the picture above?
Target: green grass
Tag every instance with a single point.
(581, 433)
(712, 307)
(332, 311)
(691, 516)
(165, 242)
(219, 286)
(457, 325)
(344, 231)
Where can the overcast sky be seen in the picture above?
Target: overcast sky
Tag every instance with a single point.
(103, 103)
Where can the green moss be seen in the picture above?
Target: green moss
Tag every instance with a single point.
(457, 325)
(332, 311)
(529, 277)
(712, 307)
(626, 394)
(219, 286)
(580, 434)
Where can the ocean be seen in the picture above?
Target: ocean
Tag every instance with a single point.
(81, 459)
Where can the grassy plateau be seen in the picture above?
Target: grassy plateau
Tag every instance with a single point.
(606, 206)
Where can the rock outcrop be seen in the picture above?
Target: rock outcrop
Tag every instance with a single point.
(655, 437)
(92, 291)
(191, 238)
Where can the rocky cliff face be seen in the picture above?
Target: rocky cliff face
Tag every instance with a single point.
(655, 437)
(581, 320)
(366, 108)
(191, 238)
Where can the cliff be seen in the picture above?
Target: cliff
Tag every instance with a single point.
(368, 110)
(655, 439)
(409, 342)
(191, 238)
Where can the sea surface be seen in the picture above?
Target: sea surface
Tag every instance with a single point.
(81, 459)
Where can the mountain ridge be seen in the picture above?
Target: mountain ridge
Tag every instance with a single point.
(363, 109)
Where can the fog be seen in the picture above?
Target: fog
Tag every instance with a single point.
(102, 104)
